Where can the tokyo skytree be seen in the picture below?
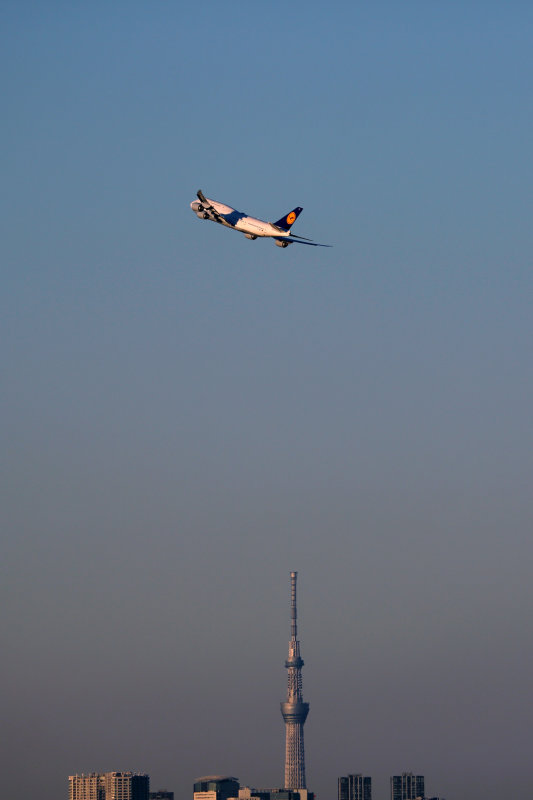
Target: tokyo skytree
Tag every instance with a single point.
(294, 710)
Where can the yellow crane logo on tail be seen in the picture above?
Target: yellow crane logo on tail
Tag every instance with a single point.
(290, 218)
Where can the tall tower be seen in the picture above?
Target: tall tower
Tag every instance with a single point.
(294, 710)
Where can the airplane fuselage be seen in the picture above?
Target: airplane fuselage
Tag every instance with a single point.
(226, 215)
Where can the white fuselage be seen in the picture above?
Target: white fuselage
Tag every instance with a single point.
(250, 226)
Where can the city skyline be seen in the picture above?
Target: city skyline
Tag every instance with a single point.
(130, 785)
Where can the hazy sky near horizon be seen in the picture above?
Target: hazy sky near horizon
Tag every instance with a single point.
(187, 416)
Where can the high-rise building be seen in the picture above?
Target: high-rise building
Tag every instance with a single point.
(109, 786)
(407, 786)
(216, 787)
(86, 787)
(294, 710)
(354, 787)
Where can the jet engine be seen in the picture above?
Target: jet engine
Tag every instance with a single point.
(281, 243)
(250, 236)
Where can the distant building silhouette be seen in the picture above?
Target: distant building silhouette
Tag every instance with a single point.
(216, 787)
(225, 787)
(354, 787)
(162, 794)
(247, 793)
(407, 786)
(109, 786)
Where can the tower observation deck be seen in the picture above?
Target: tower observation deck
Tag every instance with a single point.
(294, 710)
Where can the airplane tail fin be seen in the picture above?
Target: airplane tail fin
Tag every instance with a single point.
(289, 219)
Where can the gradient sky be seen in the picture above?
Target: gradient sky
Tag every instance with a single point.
(187, 416)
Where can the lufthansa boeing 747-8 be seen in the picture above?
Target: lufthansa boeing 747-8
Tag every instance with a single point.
(253, 228)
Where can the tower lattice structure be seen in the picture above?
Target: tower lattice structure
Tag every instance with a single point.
(294, 710)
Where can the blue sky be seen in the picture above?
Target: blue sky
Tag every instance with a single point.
(187, 416)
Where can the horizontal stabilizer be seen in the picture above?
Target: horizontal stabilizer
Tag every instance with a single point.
(300, 241)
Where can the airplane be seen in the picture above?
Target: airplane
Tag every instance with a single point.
(280, 231)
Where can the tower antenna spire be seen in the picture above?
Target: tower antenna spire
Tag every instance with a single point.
(294, 614)
(294, 710)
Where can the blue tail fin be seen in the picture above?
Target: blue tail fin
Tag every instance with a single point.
(289, 219)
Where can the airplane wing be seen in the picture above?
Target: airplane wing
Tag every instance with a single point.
(300, 241)
(208, 207)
